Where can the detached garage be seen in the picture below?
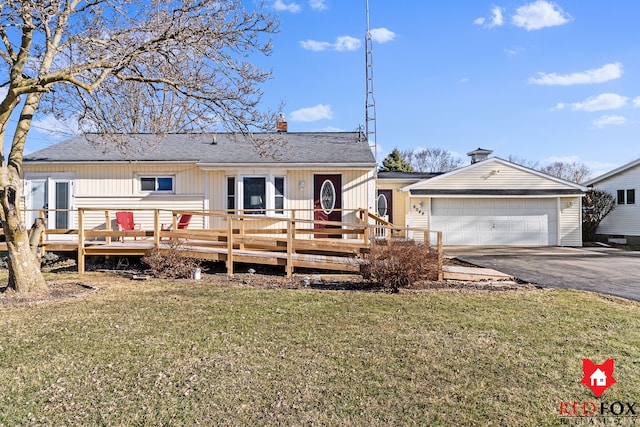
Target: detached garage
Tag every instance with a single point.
(496, 202)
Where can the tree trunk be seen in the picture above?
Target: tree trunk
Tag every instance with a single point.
(24, 268)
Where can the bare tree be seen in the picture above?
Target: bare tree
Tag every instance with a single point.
(431, 160)
(596, 204)
(523, 162)
(186, 59)
(574, 172)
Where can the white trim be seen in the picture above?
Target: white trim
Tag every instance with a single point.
(489, 161)
(616, 171)
(493, 196)
(137, 179)
(270, 191)
(290, 166)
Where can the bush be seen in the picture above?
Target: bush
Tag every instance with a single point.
(169, 263)
(400, 263)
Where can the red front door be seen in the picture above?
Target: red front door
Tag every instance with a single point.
(327, 201)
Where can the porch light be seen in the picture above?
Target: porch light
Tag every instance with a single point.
(301, 184)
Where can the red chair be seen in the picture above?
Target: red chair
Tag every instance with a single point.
(183, 223)
(126, 223)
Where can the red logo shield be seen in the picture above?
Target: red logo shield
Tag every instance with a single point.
(598, 377)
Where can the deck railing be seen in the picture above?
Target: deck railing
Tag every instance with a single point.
(244, 237)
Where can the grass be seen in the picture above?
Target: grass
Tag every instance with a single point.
(202, 353)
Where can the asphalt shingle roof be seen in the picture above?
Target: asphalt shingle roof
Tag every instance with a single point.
(348, 148)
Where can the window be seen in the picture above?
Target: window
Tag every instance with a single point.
(156, 183)
(254, 194)
(231, 193)
(257, 195)
(626, 197)
(327, 196)
(278, 183)
(631, 197)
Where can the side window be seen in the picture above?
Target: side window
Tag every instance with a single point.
(279, 194)
(231, 194)
(621, 197)
(163, 184)
(631, 197)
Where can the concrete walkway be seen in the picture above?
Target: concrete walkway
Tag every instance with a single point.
(604, 270)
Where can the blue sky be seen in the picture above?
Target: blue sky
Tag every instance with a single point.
(539, 80)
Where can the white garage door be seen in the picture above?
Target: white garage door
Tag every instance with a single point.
(517, 222)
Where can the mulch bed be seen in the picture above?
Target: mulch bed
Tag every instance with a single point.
(56, 292)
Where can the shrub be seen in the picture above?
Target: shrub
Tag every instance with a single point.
(400, 263)
(169, 263)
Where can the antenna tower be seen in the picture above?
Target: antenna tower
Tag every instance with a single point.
(370, 110)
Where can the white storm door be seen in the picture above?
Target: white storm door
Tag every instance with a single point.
(54, 195)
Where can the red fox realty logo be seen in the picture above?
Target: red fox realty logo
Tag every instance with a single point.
(598, 377)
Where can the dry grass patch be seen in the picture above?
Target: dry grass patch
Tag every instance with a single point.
(218, 353)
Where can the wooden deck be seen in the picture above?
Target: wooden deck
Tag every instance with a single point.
(298, 244)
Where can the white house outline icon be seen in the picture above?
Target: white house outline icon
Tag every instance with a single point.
(598, 378)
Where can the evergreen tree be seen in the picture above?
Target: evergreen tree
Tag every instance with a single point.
(394, 162)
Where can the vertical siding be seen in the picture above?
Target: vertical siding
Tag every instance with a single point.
(624, 219)
(419, 217)
(114, 187)
(570, 221)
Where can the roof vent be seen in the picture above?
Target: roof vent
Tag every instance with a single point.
(479, 154)
(281, 124)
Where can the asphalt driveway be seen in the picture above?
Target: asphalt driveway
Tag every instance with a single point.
(605, 270)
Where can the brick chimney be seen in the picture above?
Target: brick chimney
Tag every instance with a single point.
(479, 154)
(281, 124)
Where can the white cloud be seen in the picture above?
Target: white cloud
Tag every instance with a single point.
(559, 106)
(605, 101)
(564, 159)
(636, 102)
(382, 35)
(605, 73)
(315, 46)
(312, 114)
(342, 44)
(464, 80)
(540, 14)
(347, 43)
(50, 125)
(281, 6)
(496, 20)
(318, 4)
(514, 50)
(603, 121)
(3, 92)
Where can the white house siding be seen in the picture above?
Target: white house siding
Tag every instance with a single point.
(492, 175)
(297, 197)
(418, 217)
(624, 220)
(114, 187)
(570, 231)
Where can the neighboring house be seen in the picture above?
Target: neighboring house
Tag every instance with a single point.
(212, 172)
(622, 225)
(490, 202)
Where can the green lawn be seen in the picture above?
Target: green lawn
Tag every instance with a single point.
(202, 353)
